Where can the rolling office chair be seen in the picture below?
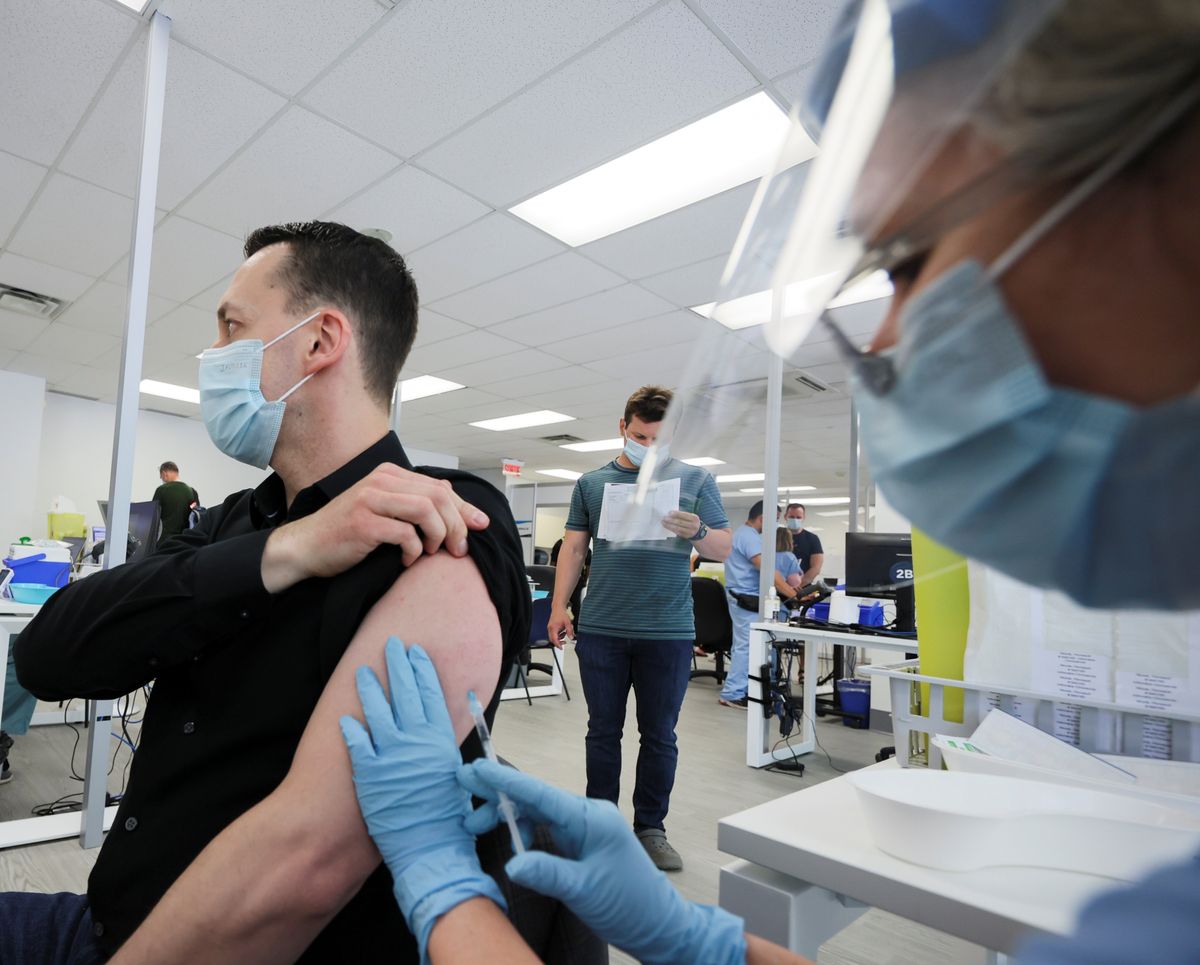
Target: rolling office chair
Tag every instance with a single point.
(714, 628)
(543, 578)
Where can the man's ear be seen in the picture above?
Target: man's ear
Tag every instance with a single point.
(621, 427)
(327, 342)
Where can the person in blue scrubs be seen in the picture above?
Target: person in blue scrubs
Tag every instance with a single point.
(1024, 171)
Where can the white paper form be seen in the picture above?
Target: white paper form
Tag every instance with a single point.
(622, 521)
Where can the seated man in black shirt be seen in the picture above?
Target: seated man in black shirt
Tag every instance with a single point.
(239, 837)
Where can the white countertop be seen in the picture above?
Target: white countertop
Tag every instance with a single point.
(901, 644)
(819, 835)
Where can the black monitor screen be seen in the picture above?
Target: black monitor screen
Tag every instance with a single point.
(143, 527)
(881, 564)
(877, 564)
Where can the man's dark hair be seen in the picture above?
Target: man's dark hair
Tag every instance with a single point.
(796, 506)
(755, 511)
(649, 403)
(168, 466)
(364, 277)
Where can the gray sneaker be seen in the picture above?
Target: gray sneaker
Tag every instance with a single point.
(655, 842)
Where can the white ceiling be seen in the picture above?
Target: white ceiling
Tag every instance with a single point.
(426, 118)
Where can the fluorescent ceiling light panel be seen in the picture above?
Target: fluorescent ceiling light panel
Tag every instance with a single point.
(166, 390)
(827, 501)
(543, 417)
(137, 6)
(704, 461)
(601, 445)
(784, 489)
(751, 310)
(742, 477)
(570, 474)
(422, 386)
(731, 147)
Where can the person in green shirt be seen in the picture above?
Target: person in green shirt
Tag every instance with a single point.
(175, 500)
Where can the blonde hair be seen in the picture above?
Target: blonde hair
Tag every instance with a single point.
(783, 540)
(1097, 71)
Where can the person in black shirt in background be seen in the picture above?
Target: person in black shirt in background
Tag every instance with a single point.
(239, 835)
(806, 545)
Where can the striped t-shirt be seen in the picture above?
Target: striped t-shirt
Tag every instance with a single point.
(635, 592)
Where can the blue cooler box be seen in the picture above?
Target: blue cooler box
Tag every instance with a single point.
(36, 569)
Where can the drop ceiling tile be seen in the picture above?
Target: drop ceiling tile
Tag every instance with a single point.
(663, 71)
(691, 285)
(93, 382)
(299, 167)
(20, 179)
(57, 372)
(210, 298)
(432, 327)
(701, 230)
(554, 281)
(182, 371)
(448, 402)
(154, 403)
(18, 330)
(862, 319)
(777, 37)
(459, 350)
(185, 330)
(77, 226)
(6, 356)
(604, 310)
(42, 278)
(644, 368)
(414, 206)
(103, 307)
(186, 258)
(497, 48)
(563, 380)
(209, 112)
(678, 329)
(52, 61)
(525, 362)
(794, 86)
(80, 345)
(487, 249)
(281, 43)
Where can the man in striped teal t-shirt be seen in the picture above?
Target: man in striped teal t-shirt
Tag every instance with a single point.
(636, 628)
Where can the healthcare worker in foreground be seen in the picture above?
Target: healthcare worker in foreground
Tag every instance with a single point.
(1025, 172)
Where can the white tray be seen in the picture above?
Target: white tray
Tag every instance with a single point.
(964, 822)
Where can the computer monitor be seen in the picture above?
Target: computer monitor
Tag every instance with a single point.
(144, 525)
(881, 565)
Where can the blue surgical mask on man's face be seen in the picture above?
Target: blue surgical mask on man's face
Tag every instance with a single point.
(240, 422)
(635, 452)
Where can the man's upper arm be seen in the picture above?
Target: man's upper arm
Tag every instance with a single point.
(439, 602)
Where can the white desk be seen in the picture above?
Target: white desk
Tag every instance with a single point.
(810, 868)
(759, 738)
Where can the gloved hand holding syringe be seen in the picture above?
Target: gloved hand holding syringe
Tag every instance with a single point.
(505, 806)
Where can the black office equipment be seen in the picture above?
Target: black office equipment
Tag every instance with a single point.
(881, 565)
(714, 627)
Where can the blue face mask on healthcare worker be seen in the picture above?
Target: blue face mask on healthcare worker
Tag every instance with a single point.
(978, 449)
(240, 422)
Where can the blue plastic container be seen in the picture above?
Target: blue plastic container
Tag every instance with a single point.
(35, 593)
(870, 614)
(855, 695)
(819, 611)
(36, 569)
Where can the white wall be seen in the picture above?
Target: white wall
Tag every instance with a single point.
(21, 405)
(76, 456)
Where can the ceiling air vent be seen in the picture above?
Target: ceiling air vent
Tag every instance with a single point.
(31, 303)
(562, 439)
(796, 385)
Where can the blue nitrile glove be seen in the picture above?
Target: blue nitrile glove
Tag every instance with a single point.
(404, 774)
(606, 878)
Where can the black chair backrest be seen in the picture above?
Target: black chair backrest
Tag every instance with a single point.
(714, 628)
(543, 576)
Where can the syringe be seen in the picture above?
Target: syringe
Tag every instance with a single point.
(485, 738)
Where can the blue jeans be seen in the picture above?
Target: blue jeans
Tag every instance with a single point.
(40, 929)
(658, 671)
(737, 678)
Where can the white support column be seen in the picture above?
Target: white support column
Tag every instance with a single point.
(855, 452)
(766, 574)
(120, 487)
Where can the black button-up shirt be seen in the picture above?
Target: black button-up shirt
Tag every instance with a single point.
(237, 673)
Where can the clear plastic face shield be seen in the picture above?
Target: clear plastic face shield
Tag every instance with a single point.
(890, 107)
